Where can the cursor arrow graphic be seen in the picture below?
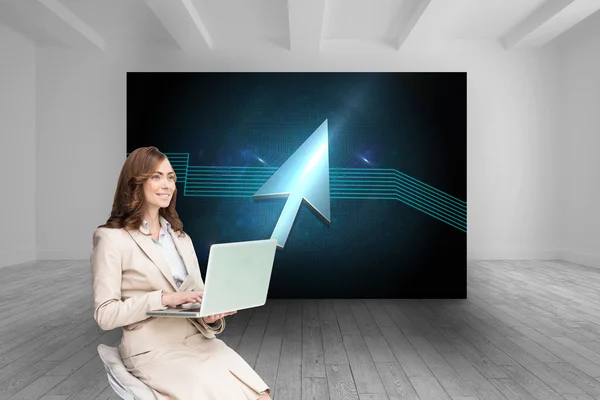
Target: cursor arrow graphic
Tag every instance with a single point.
(304, 176)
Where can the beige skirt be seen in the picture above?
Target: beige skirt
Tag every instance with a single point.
(197, 369)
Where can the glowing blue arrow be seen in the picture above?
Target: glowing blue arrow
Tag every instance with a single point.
(304, 176)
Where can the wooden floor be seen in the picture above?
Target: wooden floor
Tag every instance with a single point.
(529, 330)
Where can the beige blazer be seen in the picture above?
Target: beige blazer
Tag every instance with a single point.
(128, 275)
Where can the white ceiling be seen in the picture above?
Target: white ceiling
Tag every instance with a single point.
(297, 25)
(370, 20)
(240, 19)
(118, 19)
(478, 19)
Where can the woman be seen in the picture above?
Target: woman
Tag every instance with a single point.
(143, 260)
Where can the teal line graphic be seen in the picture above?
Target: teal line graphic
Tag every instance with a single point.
(345, 183)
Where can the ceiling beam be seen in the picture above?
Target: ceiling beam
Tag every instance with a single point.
(548, 21)
(418, 12)
(183, 22)
(306, 22)
(49, 18)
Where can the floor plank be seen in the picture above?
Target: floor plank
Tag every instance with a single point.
(528, 330)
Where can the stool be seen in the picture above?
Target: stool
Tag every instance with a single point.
(127, 386)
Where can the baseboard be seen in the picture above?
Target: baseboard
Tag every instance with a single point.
(514, 255)
(580, 258)
(17, 257)
(62, 255)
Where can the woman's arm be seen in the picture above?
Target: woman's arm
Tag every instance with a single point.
(109, 310)
(219, 325)
(215, 328)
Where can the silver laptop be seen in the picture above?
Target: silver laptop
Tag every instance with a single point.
(237, 277)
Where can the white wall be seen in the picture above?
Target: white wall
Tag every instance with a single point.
(512, 135)
(17, 148)
(580, 131)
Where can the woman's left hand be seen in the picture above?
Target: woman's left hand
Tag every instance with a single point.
(213, 318)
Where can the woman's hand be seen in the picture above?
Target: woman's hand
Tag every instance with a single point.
(213, 318)
(177, 298)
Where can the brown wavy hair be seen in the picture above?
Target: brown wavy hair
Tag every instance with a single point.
(129, 201)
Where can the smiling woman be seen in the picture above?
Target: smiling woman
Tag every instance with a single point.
(158, 190)
(142, 260)
(143, 191)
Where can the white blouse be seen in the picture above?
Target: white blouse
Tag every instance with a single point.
(169, 251)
